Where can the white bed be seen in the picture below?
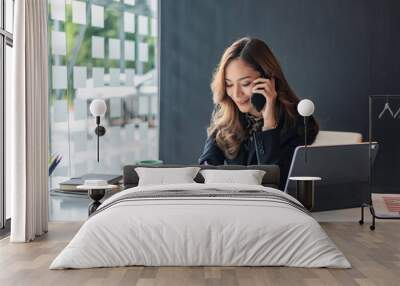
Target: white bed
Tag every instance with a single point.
(188, 231)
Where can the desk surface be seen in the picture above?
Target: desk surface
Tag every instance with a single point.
(305, 178)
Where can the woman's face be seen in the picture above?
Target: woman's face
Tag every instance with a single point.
(239, 77)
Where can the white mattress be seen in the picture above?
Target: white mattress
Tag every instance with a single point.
(200, 231)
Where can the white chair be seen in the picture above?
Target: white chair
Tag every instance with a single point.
(325, 138)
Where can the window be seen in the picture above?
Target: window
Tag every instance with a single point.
(102, 49)
(6, 43)
(9, 15)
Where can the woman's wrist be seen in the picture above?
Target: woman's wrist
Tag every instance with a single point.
(269, 125)
(270, 121)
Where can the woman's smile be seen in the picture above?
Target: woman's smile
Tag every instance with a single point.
(243, 102)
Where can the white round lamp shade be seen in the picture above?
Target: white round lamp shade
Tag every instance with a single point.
(98, 107)
(306, 107)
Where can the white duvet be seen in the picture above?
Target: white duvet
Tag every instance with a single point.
(200, 231)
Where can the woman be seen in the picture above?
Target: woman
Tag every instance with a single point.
(238, 133)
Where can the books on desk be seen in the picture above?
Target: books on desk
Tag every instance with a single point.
(71, 184)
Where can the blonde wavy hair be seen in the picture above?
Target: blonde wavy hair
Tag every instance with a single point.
(225, 120)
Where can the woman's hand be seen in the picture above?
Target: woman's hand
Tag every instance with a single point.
(266, 87)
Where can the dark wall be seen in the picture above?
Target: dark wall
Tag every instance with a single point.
(333, 52)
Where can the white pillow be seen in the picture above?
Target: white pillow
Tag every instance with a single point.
(162, 176)
(249, 177)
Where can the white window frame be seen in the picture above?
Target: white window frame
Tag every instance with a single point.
(6, 39)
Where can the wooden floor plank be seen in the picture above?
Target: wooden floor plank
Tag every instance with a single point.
(375, 257)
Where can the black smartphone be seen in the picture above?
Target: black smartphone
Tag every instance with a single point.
(257, 99)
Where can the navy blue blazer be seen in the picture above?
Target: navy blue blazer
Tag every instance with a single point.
(275, 146)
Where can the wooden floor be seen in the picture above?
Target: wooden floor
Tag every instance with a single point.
(375, 257)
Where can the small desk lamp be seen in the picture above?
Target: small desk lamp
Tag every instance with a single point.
(98, 108)
(305, 108)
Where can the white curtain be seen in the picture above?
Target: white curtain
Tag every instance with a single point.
(27, 123)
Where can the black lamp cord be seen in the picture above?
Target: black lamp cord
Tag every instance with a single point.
(98, 137)
(255, 146)
(305, 138)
